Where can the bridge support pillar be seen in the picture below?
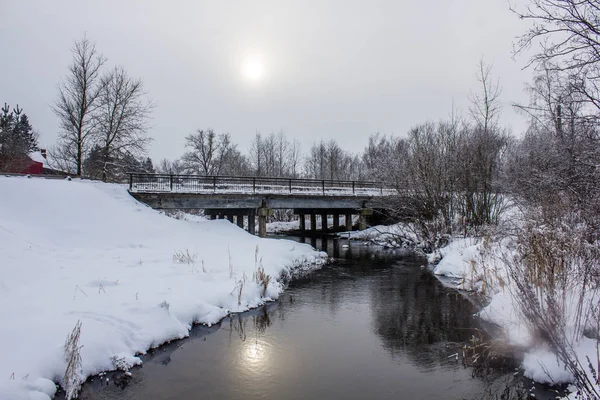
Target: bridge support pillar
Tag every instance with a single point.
(262, 221)
(362, 220)
(240, 220)
(336, 221)
(348, 221)
(213, 216)
(252, 222)
(230, 218)
(324, 222)
(313, 222)
(302, 218)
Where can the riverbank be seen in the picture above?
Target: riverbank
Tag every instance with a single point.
(80, 251)
(372, 324)
(486, 266)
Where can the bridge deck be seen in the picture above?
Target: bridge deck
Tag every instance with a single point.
(197, 184)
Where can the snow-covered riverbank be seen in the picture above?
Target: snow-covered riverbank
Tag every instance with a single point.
(81, 251)
(480, 265)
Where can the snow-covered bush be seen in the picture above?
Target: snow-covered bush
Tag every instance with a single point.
(555, 281)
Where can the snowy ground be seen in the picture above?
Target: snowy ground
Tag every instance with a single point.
(80, 251)
(281, 226)
(397, 235)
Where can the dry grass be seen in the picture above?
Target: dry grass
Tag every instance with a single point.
(73, 379)
(185, 257)
(262, 278)
(238, 289)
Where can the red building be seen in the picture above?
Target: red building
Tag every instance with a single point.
(33, 164)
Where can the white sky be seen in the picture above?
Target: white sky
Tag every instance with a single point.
(332, 69)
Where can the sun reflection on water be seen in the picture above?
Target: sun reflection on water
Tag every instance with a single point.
(255, 354)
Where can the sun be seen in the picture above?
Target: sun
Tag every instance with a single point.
(253, 69)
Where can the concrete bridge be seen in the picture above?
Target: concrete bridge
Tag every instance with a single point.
(243, 199)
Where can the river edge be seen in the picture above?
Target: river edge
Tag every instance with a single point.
(493, 330)
(162, 353)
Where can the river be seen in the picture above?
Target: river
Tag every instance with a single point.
(374, 324)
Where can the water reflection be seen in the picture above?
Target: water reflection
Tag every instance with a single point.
(371, 325)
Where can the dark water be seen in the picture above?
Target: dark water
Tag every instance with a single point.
(372, 325)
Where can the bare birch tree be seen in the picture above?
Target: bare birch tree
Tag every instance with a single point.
(485, 103)
(121, 120)
(78, 98)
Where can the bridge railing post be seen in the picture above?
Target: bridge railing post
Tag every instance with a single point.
(290, 186)
(253, 185)
(171, 182)
(215, 184)
(323, 185)
(130, 182)
(353, 184)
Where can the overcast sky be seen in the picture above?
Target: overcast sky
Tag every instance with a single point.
(330, 69)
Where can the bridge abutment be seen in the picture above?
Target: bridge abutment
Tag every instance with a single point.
(263, 213)
(362, 218)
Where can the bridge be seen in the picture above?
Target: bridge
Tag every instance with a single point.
(243, 199)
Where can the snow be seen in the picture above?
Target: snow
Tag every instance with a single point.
(478, 265)
(396, 235)
(457, 258)
(202, 184)
(85, 251)
(38, 157)
(286, 226)
(282, 226)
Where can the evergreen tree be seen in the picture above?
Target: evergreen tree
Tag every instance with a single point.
(24, 133)
(148, 166)
(17, 138)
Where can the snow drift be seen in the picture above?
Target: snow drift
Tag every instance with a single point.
(83, 251)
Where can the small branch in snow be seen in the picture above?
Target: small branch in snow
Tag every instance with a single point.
(78, 288)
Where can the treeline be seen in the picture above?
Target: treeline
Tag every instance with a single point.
(272, 155)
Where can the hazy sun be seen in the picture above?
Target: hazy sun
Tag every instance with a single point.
(253, 69)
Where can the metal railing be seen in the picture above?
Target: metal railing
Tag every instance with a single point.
(164, 183)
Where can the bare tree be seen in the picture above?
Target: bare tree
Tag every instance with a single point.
(295, 156)
(566, 36)
(208, 152)
(327, 160)
(166, 166)
(78, 100)
(274, 155)
(480, 150)
(257, 155)
(121, 120)
(485, 104)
